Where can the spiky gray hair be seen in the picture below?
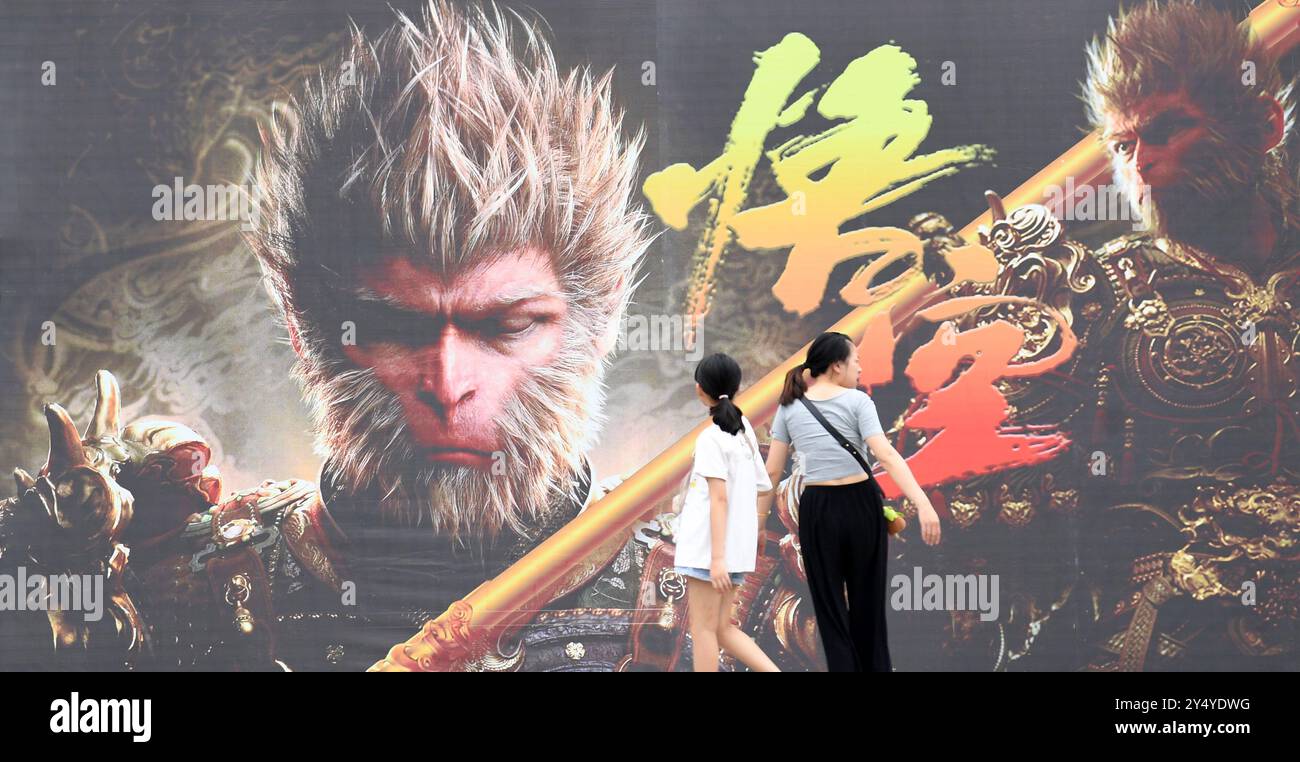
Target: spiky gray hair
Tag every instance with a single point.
(454, 140)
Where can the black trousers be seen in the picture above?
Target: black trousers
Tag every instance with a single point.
(845, 545)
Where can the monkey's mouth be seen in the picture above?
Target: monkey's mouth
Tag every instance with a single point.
(463, 456)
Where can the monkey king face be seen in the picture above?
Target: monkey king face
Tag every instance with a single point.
(1177, 165)
(450, 235)
(1195, 116)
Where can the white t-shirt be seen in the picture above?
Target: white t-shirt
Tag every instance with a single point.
(735, 458)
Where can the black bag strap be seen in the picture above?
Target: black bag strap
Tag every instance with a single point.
(844, 442)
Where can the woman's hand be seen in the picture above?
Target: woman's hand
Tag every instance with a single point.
(929, 524)
(718, 573)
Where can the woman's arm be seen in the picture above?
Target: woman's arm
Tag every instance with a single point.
(718, 533)
(899, 471)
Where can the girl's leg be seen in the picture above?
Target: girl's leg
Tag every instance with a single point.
(703, 601)
(737, 643)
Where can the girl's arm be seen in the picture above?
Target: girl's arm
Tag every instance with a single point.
(718, 533)
(777, 452)
(899, 471)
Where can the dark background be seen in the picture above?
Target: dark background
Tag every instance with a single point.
(150, 90)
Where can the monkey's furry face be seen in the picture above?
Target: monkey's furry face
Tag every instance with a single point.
(1197, 116)
(456, 140)
(1205, 180)
(1187, 173)
(544, 426)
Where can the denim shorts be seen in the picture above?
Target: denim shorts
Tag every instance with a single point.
(737, 578)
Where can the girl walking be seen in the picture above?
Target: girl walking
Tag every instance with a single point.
(717, 530)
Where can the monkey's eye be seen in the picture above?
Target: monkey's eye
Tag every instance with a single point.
(513, 325)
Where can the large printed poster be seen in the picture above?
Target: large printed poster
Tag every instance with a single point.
(347, 335)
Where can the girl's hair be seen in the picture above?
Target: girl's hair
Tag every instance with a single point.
(826, 350)
(719, 376)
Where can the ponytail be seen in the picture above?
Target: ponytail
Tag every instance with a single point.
(727, 416)
(795, 386)
(719, 377)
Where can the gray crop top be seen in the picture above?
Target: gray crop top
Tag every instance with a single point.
(851, 412)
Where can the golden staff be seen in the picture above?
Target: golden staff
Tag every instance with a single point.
(508, 600)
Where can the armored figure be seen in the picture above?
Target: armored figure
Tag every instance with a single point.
(1166, 537)
(265, 578)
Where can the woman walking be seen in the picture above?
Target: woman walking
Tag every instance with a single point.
(842, 528)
